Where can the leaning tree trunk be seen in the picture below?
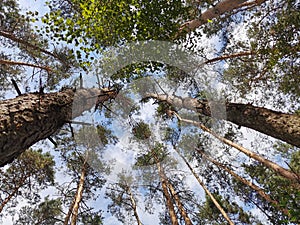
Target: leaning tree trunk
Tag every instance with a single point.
(134, 207)
(167, 195)
(216, 203)
(211, 13)
(254, 187)
(180, 207)
(13, 193)
(78, 196)
(217, 11)
(31, 117)
(283, 126)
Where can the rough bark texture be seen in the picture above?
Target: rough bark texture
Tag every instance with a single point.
(283, 126)
(31, 117)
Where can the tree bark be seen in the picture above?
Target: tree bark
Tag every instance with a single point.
(283, 126)
(16, 189)
(78, 196)
(182, 211)
(32, 117)
(277, 168)
(133, 203)
(211, 13)
(167, 195)
(254, 187)
(219, 207)
(14, 63)
(16, 39)
(215, 12)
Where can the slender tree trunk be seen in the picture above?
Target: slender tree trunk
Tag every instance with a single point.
(205, 188)
(179, 205)
(133, 203)
(167, 195)
(78, 196)
(230, 56)
(218, 10)
(67, 218)
(31, 117)
(22, 41)
(12, 194)
(254, 187)
(280, 170)
(14, 63)
(283, 126)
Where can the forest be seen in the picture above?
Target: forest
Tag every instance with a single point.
(150, 112)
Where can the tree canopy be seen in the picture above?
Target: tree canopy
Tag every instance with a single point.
(176, 112)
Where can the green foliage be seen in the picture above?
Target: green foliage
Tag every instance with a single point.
(31, 172)
(157, 154)
(93, 26)
(210, 214)
(30, 47)
(141, 131)
(282, 190)
(49, 212)
(274, 41)
(121, 194)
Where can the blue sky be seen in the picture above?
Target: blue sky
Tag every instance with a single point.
(123, 159)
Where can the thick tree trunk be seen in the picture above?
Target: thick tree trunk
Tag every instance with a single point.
(283, 126)
(31, 117)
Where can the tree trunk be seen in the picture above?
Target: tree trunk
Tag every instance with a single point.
(31, 117)
(254, 187)
(215, 12)
(283, 126)
(211, 13)
(166, 193)
(67, 218)
(278, 169)
(133, 203)
(24, 42)
(78, 196)
(9, 62)
(243, 180)
(182, 211)
(219, 207)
